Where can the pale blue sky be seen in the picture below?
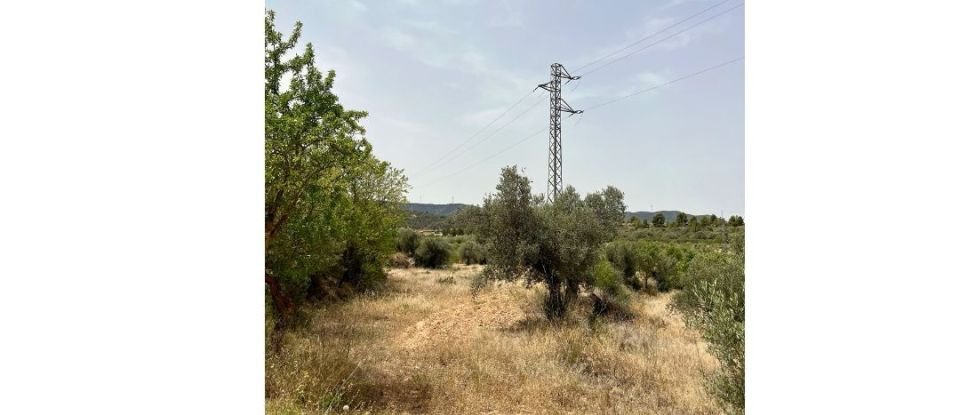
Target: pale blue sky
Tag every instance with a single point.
(431, 74)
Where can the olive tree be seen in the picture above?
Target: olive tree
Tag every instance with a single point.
(555, 243)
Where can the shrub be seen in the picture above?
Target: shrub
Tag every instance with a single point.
(407, 241)
(472, 253)
(665, 262)
(623, 256)
(432, 253)
(713, 303)
(611, 296)
(607, 278)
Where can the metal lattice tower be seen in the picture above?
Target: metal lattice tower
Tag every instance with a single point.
(554, 150)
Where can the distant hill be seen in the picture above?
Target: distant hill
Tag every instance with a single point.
(446, 209)
(669, 215)
(428, 210)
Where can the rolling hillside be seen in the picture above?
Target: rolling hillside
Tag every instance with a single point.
(447, 209)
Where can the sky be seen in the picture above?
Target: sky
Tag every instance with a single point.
(434, 74)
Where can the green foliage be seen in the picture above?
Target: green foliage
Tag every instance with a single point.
(331, 207)
(472, 252)
(424, 220)
(714, 305)
(608, 279)
(681, 219)
(623, 255)
(612, 295)
(467, 220)
(433, 253)
(556, 243)
(407, 241)
(659, 220)
(736, 221)
(665, 262)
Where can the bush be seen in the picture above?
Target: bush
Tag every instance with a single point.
(665, 262)
(611, 297)
(623, 256)
(407, 241)
(713, 303)
(472, 253)
(607, 278)
(432, 253)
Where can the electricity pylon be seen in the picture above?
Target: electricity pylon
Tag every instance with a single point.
(557, 104)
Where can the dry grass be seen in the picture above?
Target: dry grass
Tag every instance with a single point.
(427, 345)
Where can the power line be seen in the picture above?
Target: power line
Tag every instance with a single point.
(479, 131)
(447, 156)
(454, 150)
(652, 35)
(659, 41)
(534, 134)
(688, 76)
(664, 39)
(474, 145)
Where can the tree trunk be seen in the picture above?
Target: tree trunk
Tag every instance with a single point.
(281, 303)
(555, 305)
(572, 292)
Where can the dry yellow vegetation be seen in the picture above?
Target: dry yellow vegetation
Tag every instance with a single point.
(428, 344)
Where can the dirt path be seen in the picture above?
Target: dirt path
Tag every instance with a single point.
(430, 345)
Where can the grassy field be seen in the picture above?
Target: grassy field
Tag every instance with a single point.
(427, 344)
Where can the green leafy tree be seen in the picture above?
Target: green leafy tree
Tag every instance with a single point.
(331, 208)
(681, 219)
(666, 263)
(472, 252)
(659, 220)
(651, 261)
